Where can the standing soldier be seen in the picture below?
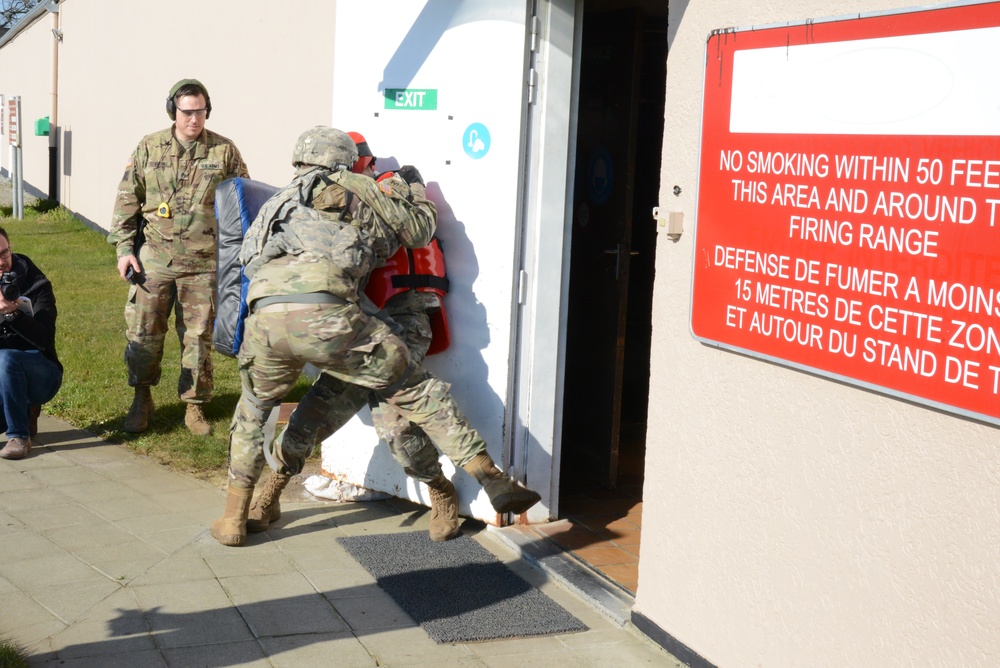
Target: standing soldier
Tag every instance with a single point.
(164, 233)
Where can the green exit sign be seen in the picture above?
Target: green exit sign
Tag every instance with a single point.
(415, 99)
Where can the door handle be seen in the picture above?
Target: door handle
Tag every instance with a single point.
(618, 251)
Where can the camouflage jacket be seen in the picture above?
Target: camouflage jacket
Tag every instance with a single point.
(325, 231)
(161, 171)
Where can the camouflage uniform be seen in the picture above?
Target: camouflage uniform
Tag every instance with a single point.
(357, 353)
(407, 442)
(178, 256)
(423, 400)
(319, 236)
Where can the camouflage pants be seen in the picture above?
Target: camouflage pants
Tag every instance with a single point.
(279, 341)
(422, 409)
(411, 421)
(191, 297)
(407, 442)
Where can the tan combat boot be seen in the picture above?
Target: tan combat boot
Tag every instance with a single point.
(266, 507)
(231, 528)
(444, 509)
(139, 415)
(506, 495)
(196, 422)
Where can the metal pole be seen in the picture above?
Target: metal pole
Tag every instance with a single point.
(15, 141)
(54, 108)
(18, 184)
(13, 185)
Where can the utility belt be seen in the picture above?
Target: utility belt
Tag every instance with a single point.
(281, 303)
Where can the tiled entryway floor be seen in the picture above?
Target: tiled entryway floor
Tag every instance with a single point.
(600, 526)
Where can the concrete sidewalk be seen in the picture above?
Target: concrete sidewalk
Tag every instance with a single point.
(106, 560)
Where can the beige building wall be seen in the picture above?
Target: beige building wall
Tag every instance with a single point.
(268, 69)
(789, 520)
(23, 73)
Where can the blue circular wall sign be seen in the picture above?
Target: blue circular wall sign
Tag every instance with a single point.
(476, 141)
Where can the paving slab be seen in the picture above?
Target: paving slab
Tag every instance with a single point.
(106, 560)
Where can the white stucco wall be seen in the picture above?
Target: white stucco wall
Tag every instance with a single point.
(788, 519)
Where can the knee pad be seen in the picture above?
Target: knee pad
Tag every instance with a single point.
(261, 410)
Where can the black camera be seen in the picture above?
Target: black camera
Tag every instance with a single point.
(9, 287)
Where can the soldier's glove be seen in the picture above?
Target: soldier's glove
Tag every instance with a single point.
(410, 174)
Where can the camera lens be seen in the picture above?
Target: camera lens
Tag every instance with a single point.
(8, 286)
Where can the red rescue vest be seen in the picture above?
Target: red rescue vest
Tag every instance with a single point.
(421, 269)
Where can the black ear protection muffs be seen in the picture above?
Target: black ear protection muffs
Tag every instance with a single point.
(172, 108)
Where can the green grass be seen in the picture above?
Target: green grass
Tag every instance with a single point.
(90, 339)
(11, 655)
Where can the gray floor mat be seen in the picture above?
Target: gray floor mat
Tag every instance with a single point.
(457, 590)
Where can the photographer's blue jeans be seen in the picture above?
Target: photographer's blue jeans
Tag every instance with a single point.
(27, 378)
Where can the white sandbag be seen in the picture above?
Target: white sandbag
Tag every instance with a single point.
(339, 490)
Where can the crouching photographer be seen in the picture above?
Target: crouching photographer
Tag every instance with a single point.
(30, 372)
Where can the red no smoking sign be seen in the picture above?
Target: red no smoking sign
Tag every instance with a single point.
(849, 202)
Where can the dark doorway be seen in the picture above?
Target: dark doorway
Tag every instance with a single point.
(620, 136)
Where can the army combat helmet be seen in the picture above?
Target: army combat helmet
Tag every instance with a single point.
(325, 147)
